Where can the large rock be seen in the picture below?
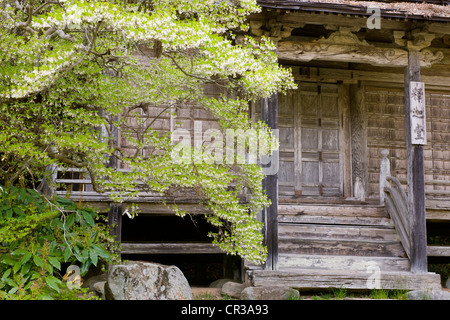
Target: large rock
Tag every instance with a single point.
(96, 283)
(137, 280)
(219, 283)
(232, 289)
(269, 293)
(99, 289)
(428, 295)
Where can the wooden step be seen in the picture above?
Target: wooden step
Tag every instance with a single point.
(341, 247)
(361, 263)
(346, 230)
(338, 220)
(335, 232)
(307, 279)
(332, 210)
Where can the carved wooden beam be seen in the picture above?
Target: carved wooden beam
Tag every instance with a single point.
(343, 45)
(272, 28)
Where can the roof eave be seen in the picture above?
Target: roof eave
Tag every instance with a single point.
(344, 9)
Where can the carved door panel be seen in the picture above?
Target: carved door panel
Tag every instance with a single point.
(317, 124)
(286, 173)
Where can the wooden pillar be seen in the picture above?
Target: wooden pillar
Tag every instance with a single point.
(113, 161)
(115, 222)
(415, 174)
(269, 114)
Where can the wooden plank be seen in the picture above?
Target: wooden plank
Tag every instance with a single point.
(438, 251)
(330, 210)
(142, 197)
(321, 279)
(438, 215)
(402, 229)
(330, 220)
(295, 261)
(335, 232)
(342, 247)
(338, 201)
(158, 208)
(169, 248)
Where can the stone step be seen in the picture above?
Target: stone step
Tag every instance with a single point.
(310, 279)
(362, 263)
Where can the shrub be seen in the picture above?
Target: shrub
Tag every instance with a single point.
(38, 235)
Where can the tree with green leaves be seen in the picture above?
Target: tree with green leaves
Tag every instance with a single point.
(73, 71)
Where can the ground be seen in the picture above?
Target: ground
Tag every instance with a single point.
(205, 293)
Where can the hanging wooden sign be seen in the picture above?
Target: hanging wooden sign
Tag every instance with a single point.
(417, 113)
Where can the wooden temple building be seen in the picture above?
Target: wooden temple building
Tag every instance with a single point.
(364, 157)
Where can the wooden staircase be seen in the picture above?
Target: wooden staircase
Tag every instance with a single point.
(339, 245)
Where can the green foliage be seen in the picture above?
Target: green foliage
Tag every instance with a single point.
(396, 294)
(73, 72)
(38, 236)
(339, 293)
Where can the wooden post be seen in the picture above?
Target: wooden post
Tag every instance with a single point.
(113, 161)
(48, 183)
(269, 114)
(415, 175)
(115, 222)
(385, 171)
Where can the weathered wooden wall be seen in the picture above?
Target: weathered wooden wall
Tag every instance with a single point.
(165, 118)
(386, 130)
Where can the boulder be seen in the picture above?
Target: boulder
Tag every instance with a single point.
(232, 289)
(92, 284)
(136, 280)
(447, 283)
(219, 283)
(99, 289)
(269, 293)
(428, 295)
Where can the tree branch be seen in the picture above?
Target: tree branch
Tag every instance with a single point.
(53, 32)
